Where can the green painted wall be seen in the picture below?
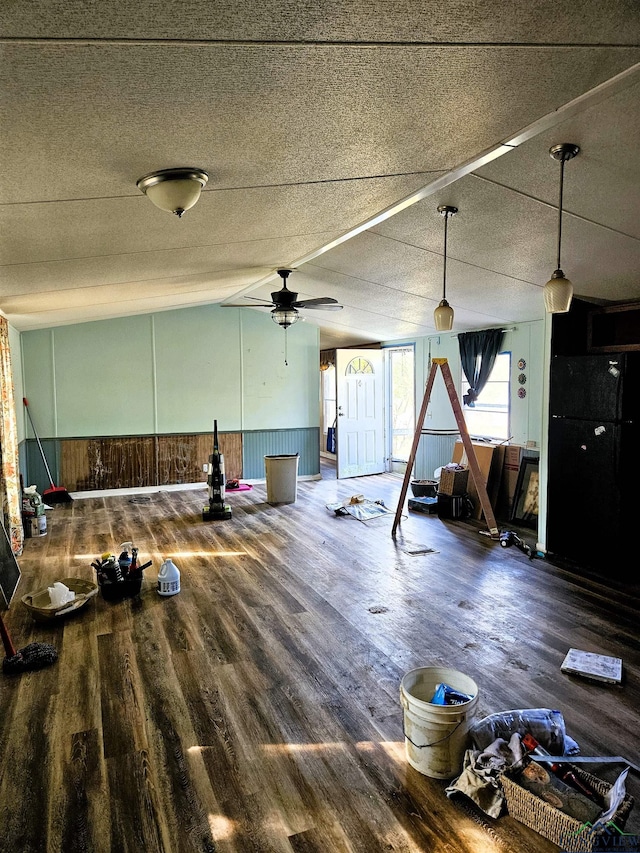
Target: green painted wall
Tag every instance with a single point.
(277, 395)
(198, 358)
(103, 377)
(527, 416)
(171, 372)
(37, 378)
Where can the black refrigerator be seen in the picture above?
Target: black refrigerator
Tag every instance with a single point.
(593, 460)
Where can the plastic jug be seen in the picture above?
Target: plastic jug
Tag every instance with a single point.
(168, 578)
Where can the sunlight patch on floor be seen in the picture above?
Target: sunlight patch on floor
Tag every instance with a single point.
(475, 838)
(394, 749)
(186, 554)
(302, 747)
(221, 827)
(88, 558)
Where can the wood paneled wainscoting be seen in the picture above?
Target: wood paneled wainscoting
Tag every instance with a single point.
(117, 462)
(258, 709)
(88, 464)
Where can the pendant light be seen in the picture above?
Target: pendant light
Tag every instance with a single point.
(443, 315)
(558, 291)
(173, 190)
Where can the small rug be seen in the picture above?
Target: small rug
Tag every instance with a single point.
(363, 509)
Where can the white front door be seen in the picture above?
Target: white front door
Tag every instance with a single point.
(360, 405)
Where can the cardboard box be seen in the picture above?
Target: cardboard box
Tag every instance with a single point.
(512, 457)
(490, 461)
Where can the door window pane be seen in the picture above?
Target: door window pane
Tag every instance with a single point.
(401, 371)
(359, 365)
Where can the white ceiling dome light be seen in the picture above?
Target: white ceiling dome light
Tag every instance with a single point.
(174, 190)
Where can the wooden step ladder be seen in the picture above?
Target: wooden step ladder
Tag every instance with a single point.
(474, 468)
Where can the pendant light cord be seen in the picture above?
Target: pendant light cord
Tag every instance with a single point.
(444, 266)
(562, 162)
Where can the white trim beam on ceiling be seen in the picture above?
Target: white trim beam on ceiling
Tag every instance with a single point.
(605, 90)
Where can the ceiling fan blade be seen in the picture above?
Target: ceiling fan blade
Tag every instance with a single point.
(319, 302)
(322, 307)
(256, 298)
(247, 305)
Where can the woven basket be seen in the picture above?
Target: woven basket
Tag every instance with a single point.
(564, 830)
(453, 482)
(40, 606)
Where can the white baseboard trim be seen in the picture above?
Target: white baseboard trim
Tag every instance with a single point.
(174, 487)
(137, 490)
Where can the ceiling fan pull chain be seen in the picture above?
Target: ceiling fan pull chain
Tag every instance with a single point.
(286, 363)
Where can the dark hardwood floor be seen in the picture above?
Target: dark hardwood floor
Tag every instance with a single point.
(258, 710)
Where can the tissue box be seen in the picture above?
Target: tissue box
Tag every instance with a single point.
(565, 831)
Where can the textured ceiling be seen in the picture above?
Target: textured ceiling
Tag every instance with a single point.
(314, 121)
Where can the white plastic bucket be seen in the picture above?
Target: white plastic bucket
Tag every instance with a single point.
(282, 478)
(436, 736)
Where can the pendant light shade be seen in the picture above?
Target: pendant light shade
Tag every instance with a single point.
(558, 291)
(174, 190)
(443, 315)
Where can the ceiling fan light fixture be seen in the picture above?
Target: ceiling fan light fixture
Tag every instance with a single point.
(285, 317)
(558, 291)
(174, 190)
(443, 315)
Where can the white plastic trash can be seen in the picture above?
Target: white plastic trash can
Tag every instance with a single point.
(282, 478)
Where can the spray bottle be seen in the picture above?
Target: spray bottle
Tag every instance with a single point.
(124, 560)
(168, 578)
(111, 568)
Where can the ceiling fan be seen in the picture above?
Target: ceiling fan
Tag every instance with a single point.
(285, 303)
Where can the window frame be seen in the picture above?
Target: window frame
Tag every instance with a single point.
(489, 408)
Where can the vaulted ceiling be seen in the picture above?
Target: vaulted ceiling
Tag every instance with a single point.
(331, 132)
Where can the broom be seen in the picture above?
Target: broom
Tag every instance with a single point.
(55, 494)
(33, 656)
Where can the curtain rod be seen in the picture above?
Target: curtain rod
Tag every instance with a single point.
(507, 329)
(493, 328)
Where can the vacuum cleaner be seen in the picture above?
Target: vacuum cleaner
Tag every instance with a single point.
(217, 510)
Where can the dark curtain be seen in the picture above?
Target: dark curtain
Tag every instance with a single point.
(478, 351)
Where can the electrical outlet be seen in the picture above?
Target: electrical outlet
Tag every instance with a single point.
(532, 445)
(205, 468)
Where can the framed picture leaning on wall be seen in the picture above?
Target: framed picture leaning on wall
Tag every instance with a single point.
(525, 500)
